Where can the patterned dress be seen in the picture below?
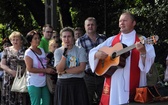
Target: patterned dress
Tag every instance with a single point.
(13, 59)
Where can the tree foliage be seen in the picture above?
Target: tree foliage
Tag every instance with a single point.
(153, 21)
(106, 12)
(151, 15)
(21, 15)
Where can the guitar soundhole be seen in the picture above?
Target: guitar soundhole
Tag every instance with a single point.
(113, 55)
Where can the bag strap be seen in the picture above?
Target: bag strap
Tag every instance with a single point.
(18, 72)
(38, 58)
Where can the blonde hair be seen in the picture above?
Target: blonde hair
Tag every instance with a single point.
(15, 34)
(52, 41)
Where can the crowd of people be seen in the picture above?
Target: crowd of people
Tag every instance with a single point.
(75, 56)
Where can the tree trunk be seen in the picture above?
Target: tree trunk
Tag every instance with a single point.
(65, 15)
(38, 10)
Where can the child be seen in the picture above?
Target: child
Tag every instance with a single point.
(53, 44)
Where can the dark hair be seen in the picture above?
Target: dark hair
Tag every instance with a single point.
(130, 14)
(78, 28)
(6, 40)
(67, 29)
(47, 25)
(30, 35)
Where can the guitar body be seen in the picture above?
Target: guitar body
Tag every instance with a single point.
(117, 56)
(109, 65)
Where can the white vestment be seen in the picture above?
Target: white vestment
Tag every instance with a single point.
(119, 91)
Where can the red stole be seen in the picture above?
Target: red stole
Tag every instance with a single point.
(134, 75)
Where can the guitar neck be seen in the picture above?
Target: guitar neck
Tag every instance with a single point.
(124, 50)
(149, 40)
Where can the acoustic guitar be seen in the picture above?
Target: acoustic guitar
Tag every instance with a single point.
(117, 56)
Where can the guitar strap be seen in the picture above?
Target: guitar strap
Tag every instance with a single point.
(134, 75)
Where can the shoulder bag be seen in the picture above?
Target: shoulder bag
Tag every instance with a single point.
(49, 79)
(19, 83)
(147, 94)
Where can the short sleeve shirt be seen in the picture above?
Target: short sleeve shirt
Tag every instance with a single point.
(74, 57)
(44, 44)
(36, 79)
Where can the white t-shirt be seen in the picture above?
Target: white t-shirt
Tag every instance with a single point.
(36, 79)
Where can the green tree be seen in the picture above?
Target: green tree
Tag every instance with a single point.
(151, 15)
(153, 20)
(21, 15)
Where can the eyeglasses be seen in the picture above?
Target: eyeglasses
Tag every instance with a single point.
(49, 32)
(55, 36)
(6, 44)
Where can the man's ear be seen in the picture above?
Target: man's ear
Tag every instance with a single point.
(134, 23)
(42, 33)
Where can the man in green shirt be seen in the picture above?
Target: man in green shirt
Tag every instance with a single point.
(47, 34)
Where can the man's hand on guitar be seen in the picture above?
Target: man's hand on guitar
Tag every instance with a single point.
(101, 55)
(140, 47)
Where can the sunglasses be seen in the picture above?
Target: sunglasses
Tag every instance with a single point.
(54, 36)
(49, 32)
(7, 44)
